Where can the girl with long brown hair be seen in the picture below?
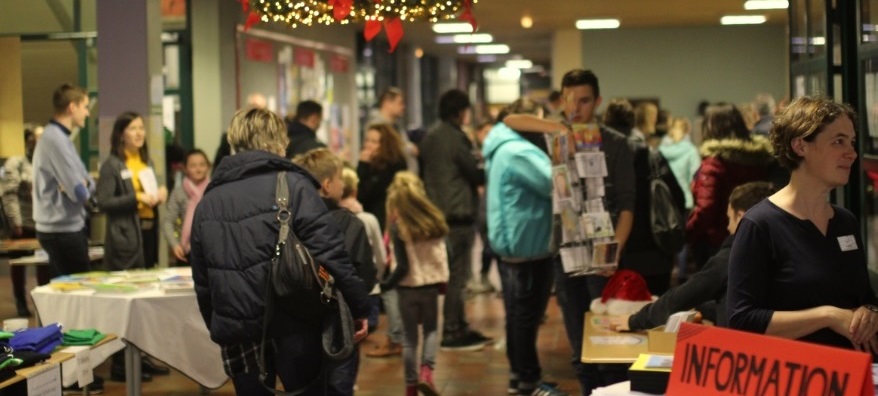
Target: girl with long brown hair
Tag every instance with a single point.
(417, 232)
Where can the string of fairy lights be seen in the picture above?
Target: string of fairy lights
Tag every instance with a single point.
(321, 12)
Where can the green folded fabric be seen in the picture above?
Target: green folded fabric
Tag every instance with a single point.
(82, 337)
(5, 335)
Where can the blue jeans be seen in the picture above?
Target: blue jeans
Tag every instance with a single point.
(394, 319)
(574, 296)
(343, 375)
(419, 306)
(526, 289)
(374, 311)
(460, 245)
(68, 252)
(296, 361)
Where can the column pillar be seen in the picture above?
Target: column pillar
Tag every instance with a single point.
(130, 76)
(566, 54)
(11, 108)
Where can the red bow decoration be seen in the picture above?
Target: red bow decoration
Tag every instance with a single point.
(467, 15)
(341, 8)
(393, 28)
(372, 29)
(252, 19)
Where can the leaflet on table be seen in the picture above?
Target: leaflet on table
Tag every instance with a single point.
(129, 281)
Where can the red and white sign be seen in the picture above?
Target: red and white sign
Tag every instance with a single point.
(259, 50)
(338, 64)
(717, 361)
(303, 57)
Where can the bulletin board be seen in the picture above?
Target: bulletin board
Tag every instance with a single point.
(288, 70)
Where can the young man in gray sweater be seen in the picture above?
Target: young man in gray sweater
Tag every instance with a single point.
(62, 186)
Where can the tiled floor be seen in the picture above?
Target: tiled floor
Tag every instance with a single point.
(459, 373)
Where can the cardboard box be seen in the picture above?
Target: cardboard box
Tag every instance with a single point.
(661, 341)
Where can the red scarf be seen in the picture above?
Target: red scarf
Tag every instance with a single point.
(194, 192)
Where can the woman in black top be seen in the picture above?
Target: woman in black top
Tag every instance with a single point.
(381, 158)
(797, 268)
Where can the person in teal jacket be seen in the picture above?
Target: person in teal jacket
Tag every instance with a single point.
(519, 197)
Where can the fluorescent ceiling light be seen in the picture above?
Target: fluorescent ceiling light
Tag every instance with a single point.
(454, 27)
(766, 4)
(743, 19)
(519, 64)
(817, 40)
(597, 24)
(486, 58)
(484, 49)
(465, 38)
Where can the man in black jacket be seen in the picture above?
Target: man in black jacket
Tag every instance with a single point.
(302, 129)
(451, 175)
(707, 286)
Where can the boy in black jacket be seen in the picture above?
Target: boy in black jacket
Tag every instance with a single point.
(327, 169)
(707, 286)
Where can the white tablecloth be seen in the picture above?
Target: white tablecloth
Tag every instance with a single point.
(100, 353)
(168, 327)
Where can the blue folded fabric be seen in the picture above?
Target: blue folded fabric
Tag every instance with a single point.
(39, 339)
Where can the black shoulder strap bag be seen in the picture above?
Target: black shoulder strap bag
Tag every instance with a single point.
(305, 291)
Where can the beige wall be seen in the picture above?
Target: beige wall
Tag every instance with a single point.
(682, 66)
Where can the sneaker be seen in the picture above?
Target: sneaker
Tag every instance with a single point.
(462, 343)
(547, 389)
(388, 349)
(481, 285)
(512, 389)
(94, 388)
(528, 388)
(425, 381)
(479, 337)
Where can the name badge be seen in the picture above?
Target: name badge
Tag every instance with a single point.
(126, 174)
(847, 243)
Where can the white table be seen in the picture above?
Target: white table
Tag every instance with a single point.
(168, 327)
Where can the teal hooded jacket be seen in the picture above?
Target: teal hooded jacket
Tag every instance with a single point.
(519, 195)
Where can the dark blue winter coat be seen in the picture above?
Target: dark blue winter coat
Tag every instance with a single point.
(233, 238)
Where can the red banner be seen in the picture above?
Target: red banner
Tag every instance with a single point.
(338, 64)
(715, 361)
(303, 57)
(258, 50)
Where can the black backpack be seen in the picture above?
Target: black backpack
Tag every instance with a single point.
(665, 220)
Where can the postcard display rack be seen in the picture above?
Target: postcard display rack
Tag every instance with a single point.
(587, 238)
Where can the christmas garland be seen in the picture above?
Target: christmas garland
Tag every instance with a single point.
(374, 13)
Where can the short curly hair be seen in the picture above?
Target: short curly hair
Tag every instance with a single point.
(257, 129)
(804, 119)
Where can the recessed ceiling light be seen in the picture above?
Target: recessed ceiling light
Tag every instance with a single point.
(484, 49)
(465, 38)
(766, 4)
(597, 24)
(454, 27)
(743, 19)
(527, 22)
(519, 63)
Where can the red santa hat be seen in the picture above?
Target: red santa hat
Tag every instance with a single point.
(624, 294)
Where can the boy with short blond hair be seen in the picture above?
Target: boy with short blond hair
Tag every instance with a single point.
(326, 167)
(373, 230)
